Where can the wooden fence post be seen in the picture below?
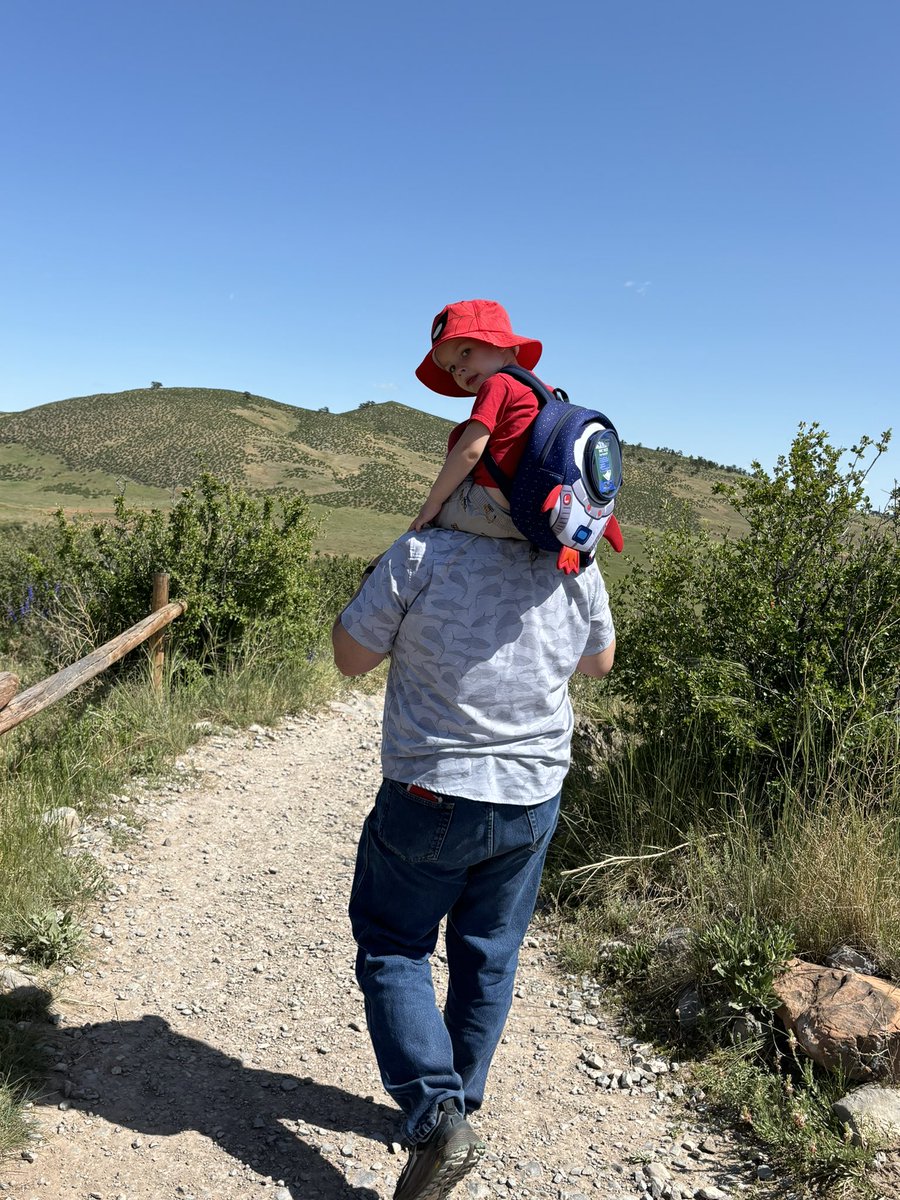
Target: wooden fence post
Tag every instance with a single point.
(9, 685)
(160, 599)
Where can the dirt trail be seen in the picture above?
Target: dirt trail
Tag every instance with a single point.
(214, 1045)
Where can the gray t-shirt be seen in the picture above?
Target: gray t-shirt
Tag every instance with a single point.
(484, 635)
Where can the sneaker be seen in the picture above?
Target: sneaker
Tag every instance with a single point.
(436, 1165)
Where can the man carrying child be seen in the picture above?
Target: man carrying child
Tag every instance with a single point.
(483, 635)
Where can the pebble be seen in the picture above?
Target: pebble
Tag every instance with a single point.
(556, 1144)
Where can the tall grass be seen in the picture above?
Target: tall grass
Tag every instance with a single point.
(714, 878)
(815, 847)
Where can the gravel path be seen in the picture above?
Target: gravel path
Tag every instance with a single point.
(214, 1046)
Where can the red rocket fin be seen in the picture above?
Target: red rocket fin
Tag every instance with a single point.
(613, 535)
(552, 498)
(568, 560)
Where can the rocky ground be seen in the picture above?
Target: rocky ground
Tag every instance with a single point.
(214, 1044)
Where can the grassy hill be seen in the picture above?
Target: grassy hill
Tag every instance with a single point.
(365, 471)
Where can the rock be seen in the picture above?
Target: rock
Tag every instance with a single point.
(362, 1178)
(477, 1189)
(746, 1028)
(656, 1172)
(842, 1018)
(710, 1193)
(688, 1007)
(675, 942)
(12, 980)
(20, 993)
(850, 959)
(66, 820)
(872, 1113)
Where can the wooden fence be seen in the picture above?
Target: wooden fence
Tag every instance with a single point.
(17, 708)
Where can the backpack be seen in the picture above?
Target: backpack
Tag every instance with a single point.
(564, 489)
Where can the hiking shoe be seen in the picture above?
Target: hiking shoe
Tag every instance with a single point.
(436, 1165)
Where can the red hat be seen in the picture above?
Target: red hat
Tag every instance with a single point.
(481, 321)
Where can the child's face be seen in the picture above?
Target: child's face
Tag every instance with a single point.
(470, 362)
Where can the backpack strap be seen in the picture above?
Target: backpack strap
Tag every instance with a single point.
(542, 392)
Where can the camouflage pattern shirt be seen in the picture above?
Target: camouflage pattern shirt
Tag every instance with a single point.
(484, 634)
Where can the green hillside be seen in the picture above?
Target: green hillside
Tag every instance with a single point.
(365, 471)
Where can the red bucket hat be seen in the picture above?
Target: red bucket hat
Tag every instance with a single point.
(481, 321)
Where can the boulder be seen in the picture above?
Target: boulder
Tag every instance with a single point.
(842, 1018)
(872, 1113)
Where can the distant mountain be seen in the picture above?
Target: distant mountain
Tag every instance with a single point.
(378, 460)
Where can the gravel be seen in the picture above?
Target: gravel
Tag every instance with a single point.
(212, 1045)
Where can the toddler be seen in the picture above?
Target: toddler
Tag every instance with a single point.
(471, 342)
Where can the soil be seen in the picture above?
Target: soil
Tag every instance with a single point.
(213, 1044)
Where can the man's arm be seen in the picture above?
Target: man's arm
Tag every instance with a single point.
(598, 665)
(350, 656)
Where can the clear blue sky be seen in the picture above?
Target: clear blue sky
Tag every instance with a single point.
(693, 205)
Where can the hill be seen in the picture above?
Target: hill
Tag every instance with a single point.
(377, 460)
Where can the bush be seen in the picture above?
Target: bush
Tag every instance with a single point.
(781, 645)
(240, 563)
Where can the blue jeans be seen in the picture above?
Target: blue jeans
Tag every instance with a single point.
(419, 859)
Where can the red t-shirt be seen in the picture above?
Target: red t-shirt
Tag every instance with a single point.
(507, 408)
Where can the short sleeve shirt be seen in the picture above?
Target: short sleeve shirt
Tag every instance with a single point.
(507, 407)
(484, 634)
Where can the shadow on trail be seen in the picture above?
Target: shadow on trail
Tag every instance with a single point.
(145, 1076)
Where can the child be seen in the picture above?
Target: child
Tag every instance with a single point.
(471, 342)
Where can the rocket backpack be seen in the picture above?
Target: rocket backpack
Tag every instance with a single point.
(564, 489)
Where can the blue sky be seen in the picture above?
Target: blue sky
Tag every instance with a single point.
(693, 205)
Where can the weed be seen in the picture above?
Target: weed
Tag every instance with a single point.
(742, 957)
(789, 1112)
(49, 937)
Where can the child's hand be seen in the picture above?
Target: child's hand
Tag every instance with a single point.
(427, 513)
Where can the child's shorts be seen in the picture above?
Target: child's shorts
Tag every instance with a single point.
(470, 509)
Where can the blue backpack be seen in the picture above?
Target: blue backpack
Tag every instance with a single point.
(564, 489)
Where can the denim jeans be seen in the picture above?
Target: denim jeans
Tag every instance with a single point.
(419, 859)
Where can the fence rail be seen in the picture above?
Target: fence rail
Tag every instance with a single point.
(48, 691)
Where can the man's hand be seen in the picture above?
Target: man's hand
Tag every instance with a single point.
(427, 513)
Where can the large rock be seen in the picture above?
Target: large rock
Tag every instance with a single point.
(872, 1113)
(842, 1018)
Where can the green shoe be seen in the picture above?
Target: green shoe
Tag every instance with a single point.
(436, 1165)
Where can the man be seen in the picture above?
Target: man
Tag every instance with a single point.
(483, 634)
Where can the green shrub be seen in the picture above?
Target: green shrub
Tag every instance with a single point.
(782, 645)
(239, 562)
(740, 958)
